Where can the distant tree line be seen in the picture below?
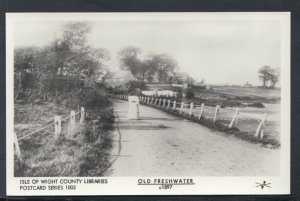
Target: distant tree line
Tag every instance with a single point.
(153, 67)
(68, 60)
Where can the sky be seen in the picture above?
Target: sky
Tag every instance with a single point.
(218, 51)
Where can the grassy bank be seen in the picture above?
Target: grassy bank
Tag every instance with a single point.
(85, 153)
(236, 94)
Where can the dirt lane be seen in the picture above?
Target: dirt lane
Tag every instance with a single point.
(159, 144)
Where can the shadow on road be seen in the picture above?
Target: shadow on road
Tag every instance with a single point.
(142, 127)
(160, 119)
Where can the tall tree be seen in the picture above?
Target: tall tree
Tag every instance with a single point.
(274, 77)
(163, 65)
(158, 66)
(129, 60)
(75, 57)
(24, 63)
(68, 55)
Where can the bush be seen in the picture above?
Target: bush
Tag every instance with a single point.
(178, 92)
(258, 105)
(132, 86)
(188, 93)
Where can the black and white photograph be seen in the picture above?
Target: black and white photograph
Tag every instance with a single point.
(156, 103)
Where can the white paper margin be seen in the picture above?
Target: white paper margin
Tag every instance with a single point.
(128, 185)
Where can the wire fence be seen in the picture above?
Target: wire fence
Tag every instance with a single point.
(70, 121)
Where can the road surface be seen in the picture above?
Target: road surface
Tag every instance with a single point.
(160, 144)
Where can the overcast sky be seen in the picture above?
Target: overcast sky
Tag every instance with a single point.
(220, 52)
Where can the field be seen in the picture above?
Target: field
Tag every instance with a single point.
(248, 119)
(250, 94)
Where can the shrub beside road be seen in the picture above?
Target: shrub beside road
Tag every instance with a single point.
(85, 153)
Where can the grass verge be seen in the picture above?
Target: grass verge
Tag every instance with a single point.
(85, 153)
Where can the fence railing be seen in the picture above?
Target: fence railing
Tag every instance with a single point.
(57, 123)
(203, 111)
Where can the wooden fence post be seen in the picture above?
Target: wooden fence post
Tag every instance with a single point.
(164, 102)
(201, 111)
(216, 113)
(181, 108)
(233, 121)
(82, 115)
(191, 109)
(57, 126)
(168, 103)
(174, 105)
(260, 129)
(17, 147)
(71, 126)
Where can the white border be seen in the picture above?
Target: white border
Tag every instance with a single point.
(128, 185)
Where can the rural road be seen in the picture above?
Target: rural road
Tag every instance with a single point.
(160, 144)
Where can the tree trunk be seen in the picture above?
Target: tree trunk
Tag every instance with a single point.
(264, 83)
